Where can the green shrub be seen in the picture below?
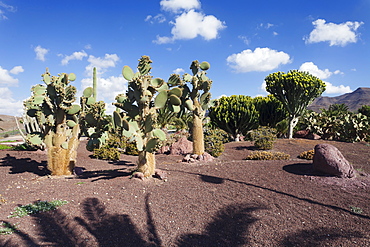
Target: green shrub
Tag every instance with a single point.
(214, 140)
(263, 137)
(37, 207)
(7, 228)
(307, 155)
(265, 155)
(106, 153)
(3, 147)
(131, 149)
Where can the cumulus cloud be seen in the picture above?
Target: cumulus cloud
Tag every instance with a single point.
(192, 24)
(9, 106)
(312, 68)
(16, 70)
(179, 71)
(155, 19)
(7, 79)
(101, 63)
(331, 89)
(178, 5)
(78, 55)
(40, 53)
(261, 59)
(336, 34)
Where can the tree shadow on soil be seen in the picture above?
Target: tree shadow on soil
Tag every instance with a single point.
(96, 227)
(24, 165)
(230, 227)
(323, 236)
(104, 174)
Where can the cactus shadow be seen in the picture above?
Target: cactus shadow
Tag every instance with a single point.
(230, 227)
(24, 165)
(104, 174)
(319, 237)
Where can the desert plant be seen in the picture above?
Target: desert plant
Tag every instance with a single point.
(235, 114)
(107, 153)
(214, 140)
(365, 110)
(139, 106)
(263, 137)
(7, 228)
(307, 155)
(295, 90)
(271, 111)
(266, 155)
(37, 207)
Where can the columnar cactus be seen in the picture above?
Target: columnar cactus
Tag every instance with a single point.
(139, 111)
(52, 107)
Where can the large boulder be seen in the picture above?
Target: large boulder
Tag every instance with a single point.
(181, 147)
(328, 159)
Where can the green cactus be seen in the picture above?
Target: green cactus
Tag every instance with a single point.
(57, 123)
(197, 100)
(138, 112)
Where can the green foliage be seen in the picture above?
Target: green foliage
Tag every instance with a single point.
(25, 147)
(348, 127)
(138, 113)
(307, 155)
(271, 111)
(107, 153)
(131, 149)
(295, 90)
(263, 137)
(37, 207)
(236, 114)
(4, 147)
(265, 155)
(365, 110)
(7, 228)
(214, 140)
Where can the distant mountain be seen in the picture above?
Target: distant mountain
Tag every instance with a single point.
(354, 100)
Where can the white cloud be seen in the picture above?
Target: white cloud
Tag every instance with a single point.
(244, 39)
(16, 70)
(40, 53)
(177, 5)
(311, 68)
(78, 55)
(191, 24)
(331, 89)
(8, 106)
(88, 47)
(261, 59)
(6, 78)
(7, 8)
(336, 34)
(155, 19)
(179, 71)
(102, 64)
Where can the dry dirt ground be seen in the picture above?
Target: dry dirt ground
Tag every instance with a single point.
(227, 202)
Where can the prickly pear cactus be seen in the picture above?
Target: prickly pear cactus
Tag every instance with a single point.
(138, 112)
(52, 106)
(197, 100)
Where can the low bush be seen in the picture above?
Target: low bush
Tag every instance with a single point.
(266, 155)
(107, 153)
(263, 137)
(307, 155)
(214, 139)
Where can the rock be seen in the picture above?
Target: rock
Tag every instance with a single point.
(162, 175)
(301, 134)
(182, 147)
(313, 136)
(138, 175)
(328, 159)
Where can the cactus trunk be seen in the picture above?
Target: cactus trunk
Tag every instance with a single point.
(198, 137)
(146, 163)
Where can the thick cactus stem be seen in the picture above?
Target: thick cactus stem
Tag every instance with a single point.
(146, 163)
(198, 137)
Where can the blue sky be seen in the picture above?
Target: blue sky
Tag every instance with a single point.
(244, 41)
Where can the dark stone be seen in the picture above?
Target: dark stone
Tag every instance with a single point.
(329, 160)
